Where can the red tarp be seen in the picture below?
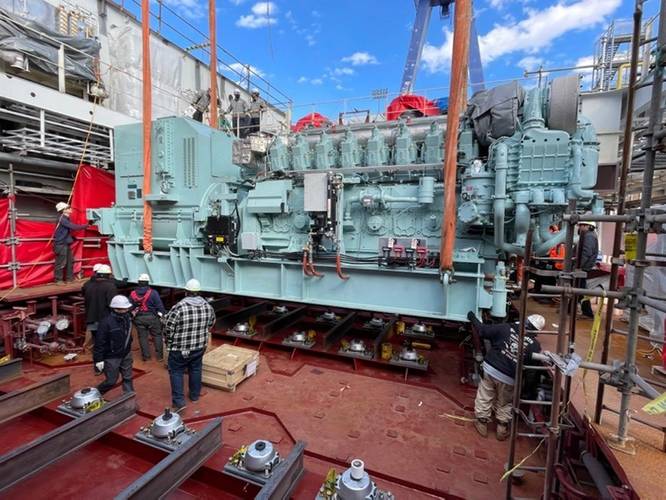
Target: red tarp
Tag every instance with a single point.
(311, 120)
(406, 102)
(94, 188)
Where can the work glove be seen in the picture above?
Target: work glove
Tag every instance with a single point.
(100, 366)
(471, 316)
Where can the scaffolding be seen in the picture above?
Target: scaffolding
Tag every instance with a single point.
(621, 374)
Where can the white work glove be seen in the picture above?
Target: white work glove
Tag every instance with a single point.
(100, 366)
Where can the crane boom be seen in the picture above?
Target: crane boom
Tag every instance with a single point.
(419, 33)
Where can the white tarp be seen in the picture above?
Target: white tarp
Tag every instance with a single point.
(124, 80)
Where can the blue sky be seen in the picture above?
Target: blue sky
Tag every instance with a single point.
(332, 52)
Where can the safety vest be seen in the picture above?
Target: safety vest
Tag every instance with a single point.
(557, 254)
(142, 302)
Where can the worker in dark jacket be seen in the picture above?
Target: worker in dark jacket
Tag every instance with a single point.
(97, 294)
(62, 244)
(589, 249)
(495, 391)
(148, 312)
(112, 354)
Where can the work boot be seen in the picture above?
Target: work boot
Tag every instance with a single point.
(586, 309)
(502, 431)
(481, 427)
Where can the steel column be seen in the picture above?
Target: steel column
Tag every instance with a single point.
(24, 400)
(177, 466)
(518, 377)
(565, 308)
(655, 119)
(51, 447)
(627, 142)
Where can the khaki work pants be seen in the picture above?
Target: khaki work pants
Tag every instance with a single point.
(493, 395)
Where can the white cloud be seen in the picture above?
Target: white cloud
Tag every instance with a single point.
(311, 40)
(316, 81)
(264, 9)
(360, 59)
(191, 9)
(237, 2)
(263, 14)
(530, 63)
(241, 69)
(343, 71)
(303, 79)
(316, 13)
(530, 35)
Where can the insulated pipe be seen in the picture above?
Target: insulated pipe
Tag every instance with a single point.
(213, 64)
(576, 181)
(147, 124)
(457, 93)
(499, 204)
(38, 162)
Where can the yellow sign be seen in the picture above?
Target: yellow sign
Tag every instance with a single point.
(630, 246)
(657, 406)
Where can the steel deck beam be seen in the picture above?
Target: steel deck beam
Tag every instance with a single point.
(31, 458)
(10, 370)
(283, 480)
(177, 466)
(24, 400)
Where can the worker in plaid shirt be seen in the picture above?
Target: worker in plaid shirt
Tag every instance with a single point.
(186, 329)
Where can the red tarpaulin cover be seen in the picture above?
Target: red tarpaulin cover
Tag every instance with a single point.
(406, 102)
(94, 188)
(311, 120)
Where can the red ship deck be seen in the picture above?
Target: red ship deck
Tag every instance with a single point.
(407, 432)
(403, 431)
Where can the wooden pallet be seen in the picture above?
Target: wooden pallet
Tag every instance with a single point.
(227, 366)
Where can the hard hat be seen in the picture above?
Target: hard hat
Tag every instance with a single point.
(104, 269)
(237, 92)
(588, 222)
(96, 267)
(144, 277)
(255, 91)
(537, 321)
(61, 205)
(193, 285)
(120, 302)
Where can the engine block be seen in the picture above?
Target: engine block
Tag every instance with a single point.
(351, 216)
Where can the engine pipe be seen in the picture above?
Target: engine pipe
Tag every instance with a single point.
(147, 127)
(457, 97)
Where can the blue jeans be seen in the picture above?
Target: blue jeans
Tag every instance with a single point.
(178, 365)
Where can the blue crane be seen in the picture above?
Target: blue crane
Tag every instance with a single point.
(419, 32)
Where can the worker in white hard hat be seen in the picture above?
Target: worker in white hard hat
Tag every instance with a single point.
(239, 111)
(186, 330)
(256, 108)
(97, 294)
(148, 313)
(495, 391)
(62, 244)
(112, 354)
(587, 252)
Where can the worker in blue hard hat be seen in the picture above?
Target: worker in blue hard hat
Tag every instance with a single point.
(186, 329)
(112, 353)
(495, 391)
